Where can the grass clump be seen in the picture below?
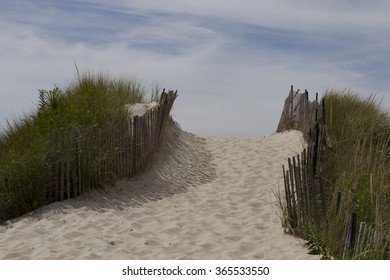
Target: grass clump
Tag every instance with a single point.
(93, 99)
(356, 168)
(90, 100)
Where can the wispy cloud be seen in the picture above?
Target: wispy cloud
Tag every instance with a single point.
(232, 61)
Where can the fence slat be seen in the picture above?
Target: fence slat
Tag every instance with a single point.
(68, 162)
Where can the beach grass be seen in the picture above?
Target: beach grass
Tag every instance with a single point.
(92, 99)
(356, 170)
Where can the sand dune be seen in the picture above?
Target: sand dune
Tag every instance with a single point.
(205, 198)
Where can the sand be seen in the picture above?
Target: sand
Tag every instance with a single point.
(204, 198)
(139, 109)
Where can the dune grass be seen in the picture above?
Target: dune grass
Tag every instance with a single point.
(356, 165)
(92, 99)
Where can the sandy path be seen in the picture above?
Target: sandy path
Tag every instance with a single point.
(205, 198)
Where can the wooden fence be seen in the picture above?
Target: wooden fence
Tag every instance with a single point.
(308, 201)
(305, 197)
(301, 114)
(85, 158)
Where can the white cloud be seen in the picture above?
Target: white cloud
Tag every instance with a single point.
(232, 62)
(295, 15)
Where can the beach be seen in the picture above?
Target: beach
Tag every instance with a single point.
(205, 197)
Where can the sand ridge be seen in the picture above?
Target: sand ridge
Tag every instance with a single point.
(204, 198)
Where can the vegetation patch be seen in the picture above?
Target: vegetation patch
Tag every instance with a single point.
(93, 99)
(356, 170)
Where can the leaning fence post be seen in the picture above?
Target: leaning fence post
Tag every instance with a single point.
(56, 160)
(338, 202)
(297, 183)
(293, 193)
(288, 195)
(352, 232)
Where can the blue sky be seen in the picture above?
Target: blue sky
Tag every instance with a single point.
(232, 62)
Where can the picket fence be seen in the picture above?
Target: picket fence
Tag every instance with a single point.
(308, 201)
(84, 158)
(304, 193)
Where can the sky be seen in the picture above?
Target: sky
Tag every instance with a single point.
(232, 61)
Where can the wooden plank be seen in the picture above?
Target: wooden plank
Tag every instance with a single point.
(99, 157)
(106, 153)
(51, 164)
(120, 149)
(111, 150)
(83, 159)
(297, 190)
(287, 193)
(162, 109)
(87, 159)
(126, 166)
(165, 109)
(150, 142)
(95, 156)
(306, 184)
(63, 164)
(68, 162)
(302, 188)
(123, 149)
(75, 166)
(293, 194)
(139, 146)
(113, 170)
(144, 142)
(352, 234)
(56, 163)
(80, 177)
(88, 162)
(135, 145)
(124, 135)
(338, 203)
(156, 115)
(300, 124)
(132, 147)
